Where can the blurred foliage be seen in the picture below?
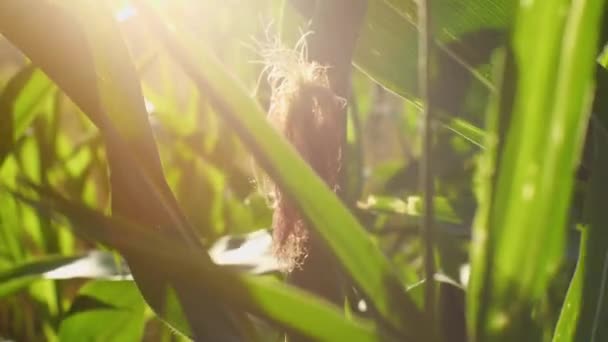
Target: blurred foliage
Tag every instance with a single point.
(120, 117)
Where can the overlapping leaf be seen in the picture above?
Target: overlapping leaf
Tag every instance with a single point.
(267, 298)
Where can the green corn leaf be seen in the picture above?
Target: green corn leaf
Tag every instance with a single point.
(585, 307)
(105, 311)
(20, 100)
(527, 184)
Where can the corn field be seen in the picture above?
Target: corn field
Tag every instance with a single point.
(292, 170)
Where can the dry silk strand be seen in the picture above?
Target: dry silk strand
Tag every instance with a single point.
(306, 111)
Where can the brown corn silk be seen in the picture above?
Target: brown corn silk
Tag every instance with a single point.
(305, 110)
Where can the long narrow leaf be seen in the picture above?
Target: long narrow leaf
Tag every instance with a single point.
(521, 235)
(585, 307)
